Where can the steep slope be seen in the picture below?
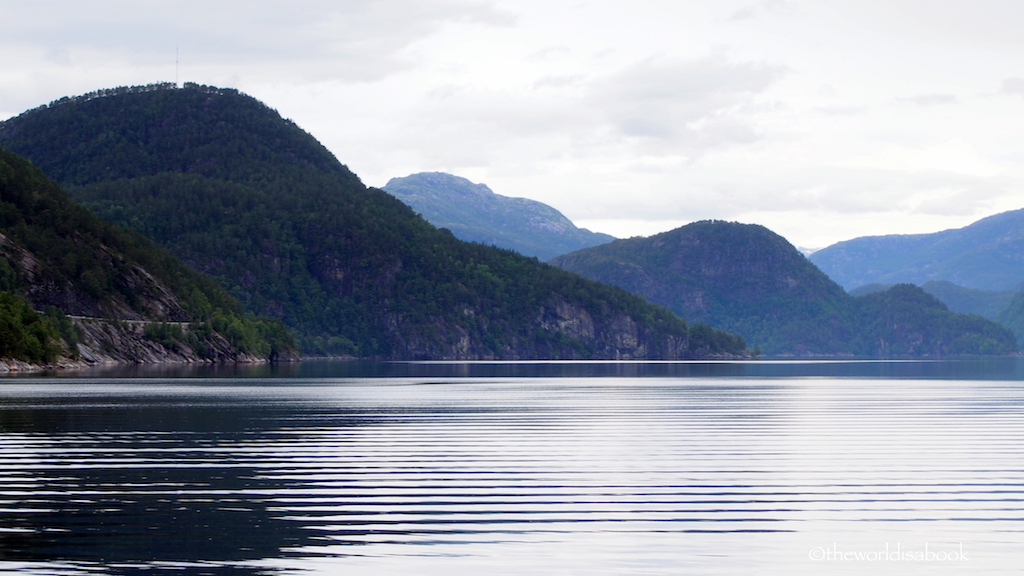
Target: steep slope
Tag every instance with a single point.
(58, 256)
(750, 280)
(987, 255)
(249, 198)
(476, 214)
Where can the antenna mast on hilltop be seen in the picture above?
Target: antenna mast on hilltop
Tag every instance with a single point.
(175, 66)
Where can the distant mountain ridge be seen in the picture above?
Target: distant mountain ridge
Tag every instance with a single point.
(749, 280)
(986, 255)
(473, 212)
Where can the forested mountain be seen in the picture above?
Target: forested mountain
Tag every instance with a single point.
(243, 195)
(57, 256)
(476, 214)
(987, 255)
(749, 280)
(907, 321)
(1013, 316)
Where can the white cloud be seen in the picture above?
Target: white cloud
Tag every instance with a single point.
(954, 156)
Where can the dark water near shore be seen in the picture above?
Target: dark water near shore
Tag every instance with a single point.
(533, 468)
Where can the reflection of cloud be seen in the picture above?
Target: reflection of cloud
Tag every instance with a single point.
(683, 101)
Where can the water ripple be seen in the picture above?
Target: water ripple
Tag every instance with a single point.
(257, 478)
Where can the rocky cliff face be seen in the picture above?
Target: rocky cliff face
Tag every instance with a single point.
(151, 298)
(125, 342)
(107, 342)
(110, 330)
(564, 330)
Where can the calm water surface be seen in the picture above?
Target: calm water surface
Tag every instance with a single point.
(770, 468)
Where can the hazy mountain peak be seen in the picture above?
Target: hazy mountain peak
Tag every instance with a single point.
(475, 213)
(986, 255)
(438, 184)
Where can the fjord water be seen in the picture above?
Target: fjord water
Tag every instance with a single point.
(546, 468)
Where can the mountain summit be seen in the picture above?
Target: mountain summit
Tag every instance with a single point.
(251, 199)
(743, 276)
(476, 214)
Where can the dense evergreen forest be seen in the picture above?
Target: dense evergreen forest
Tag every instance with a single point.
(58, 257)
(247, 197)
(907, 321)
(746, 279)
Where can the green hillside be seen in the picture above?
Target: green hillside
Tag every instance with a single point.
(907, 321)
(247, 197)
(476, 214)
(984, 303)
(746, 279)
(1013, 316)
(56, 255)
(742, 278)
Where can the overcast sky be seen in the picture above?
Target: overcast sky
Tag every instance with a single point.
(822, 120)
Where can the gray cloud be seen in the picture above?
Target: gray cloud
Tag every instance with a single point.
(842, 110)
(559, 81)
(931, 99)
(354, 40)
(744, 13)
(678, 100)
(756, 10)
(1013, 86)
